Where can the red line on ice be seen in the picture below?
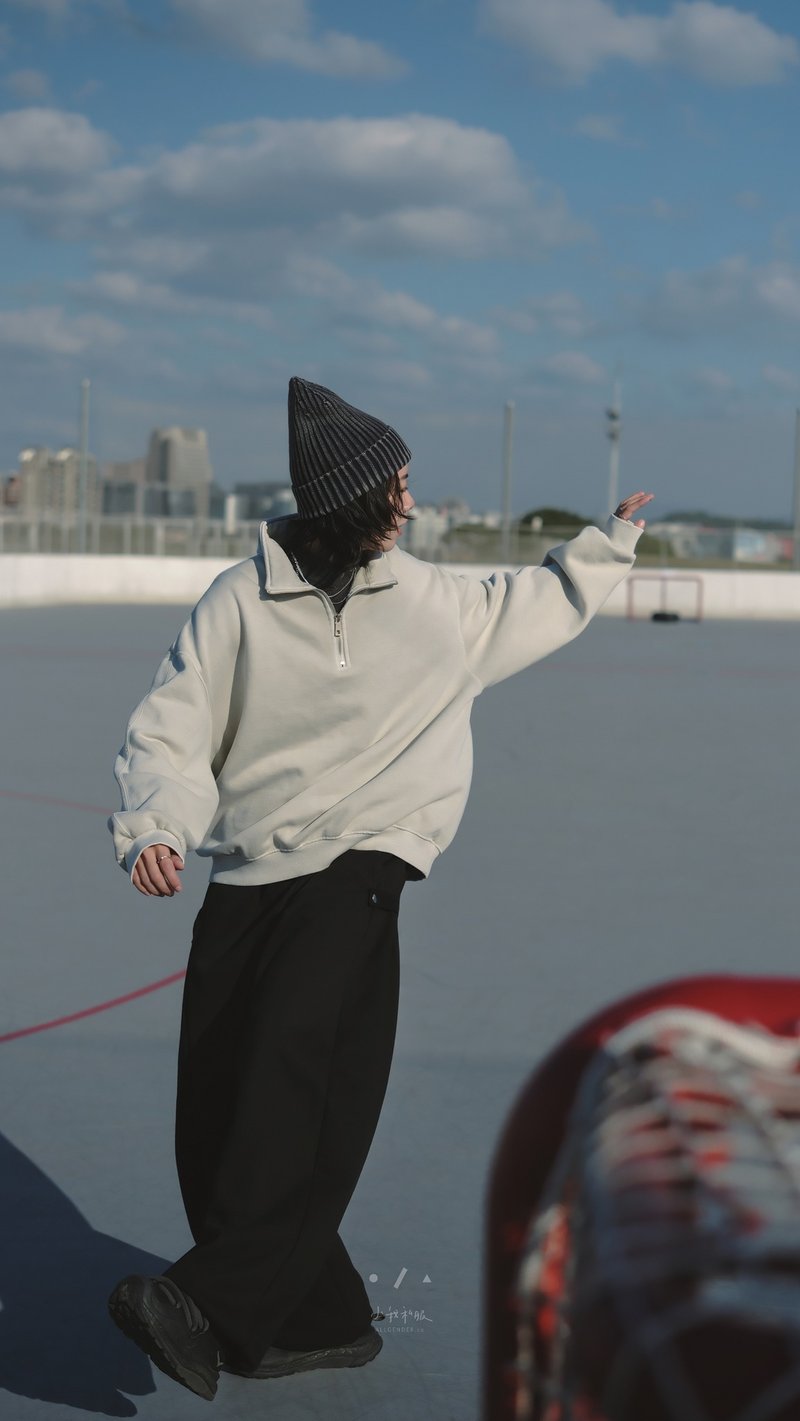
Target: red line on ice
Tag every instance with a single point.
(90, 1011)
(102, 1006)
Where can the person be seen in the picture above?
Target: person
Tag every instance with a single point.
(309, 731)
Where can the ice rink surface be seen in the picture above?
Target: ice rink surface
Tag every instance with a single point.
(633, 817)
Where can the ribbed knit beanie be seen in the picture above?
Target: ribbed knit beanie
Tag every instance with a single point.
(336, 451)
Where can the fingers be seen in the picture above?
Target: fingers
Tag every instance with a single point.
(158, 879)
(629, 505)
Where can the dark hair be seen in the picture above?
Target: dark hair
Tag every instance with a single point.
(349, 535)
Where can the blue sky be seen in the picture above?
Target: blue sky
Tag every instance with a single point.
(431, 208)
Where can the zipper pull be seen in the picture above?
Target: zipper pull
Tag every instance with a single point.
(337, 632)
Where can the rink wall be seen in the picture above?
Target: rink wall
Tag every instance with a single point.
(33, 579)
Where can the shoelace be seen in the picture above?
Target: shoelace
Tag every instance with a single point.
(194, 1318)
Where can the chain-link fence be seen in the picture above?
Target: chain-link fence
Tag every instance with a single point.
(124, 535)
(670, 545)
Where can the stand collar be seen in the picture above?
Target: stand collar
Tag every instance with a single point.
(280, 574)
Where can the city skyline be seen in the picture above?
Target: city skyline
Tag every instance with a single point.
(432, 213)
(139, 470)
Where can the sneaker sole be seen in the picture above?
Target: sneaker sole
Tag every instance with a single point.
(355, 1355)
(131, 1317)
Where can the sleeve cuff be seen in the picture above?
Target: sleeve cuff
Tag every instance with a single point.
(623, 532)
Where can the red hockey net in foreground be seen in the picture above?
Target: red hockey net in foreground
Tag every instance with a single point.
(657, 1275)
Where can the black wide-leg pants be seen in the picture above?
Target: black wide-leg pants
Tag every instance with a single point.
(287, 1033)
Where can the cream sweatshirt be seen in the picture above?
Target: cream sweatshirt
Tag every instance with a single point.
(277, 734)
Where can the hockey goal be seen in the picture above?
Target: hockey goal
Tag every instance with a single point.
(664, 594)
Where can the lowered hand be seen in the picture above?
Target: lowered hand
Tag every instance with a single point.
(159, 880)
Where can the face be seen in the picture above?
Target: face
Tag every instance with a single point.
(408, 504)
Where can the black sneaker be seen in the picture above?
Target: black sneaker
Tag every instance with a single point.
(279, 1362)
(170, 1328)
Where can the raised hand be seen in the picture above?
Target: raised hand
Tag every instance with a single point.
(629, 505)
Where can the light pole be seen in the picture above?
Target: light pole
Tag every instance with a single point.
(508, 426)
(796, 545)
(82, 466)
(614, 417)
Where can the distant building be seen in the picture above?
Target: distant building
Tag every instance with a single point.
(423, 533)
(264, 500)
(12, 489)
(125, 471)
(455, 510)
(179, 467)
(142, 500)
(217, 496)
(760, 545)
(125, 487)
(49, 483)
(734, 544)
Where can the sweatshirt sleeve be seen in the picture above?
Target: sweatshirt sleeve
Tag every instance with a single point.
(510, 620)
(165, 769)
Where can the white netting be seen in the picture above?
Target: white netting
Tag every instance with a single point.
(660, 1280)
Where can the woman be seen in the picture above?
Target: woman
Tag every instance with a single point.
(320, 758)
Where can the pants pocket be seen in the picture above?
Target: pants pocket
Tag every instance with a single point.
(387, 900)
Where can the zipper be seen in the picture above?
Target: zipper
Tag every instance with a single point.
(338, 628)
(338, 637)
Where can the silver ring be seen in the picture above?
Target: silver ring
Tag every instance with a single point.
(163, 856)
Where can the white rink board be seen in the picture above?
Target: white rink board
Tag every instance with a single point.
(34, 579)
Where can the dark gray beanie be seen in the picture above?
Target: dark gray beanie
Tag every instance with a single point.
(336, 452)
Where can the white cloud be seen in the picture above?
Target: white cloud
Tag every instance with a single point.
(282, 32)
(414, 185)
(28, 84)
(126, 288)
(403, 186)
(715, 43)
(782, 379)
(362, 166)
(560, 311)
(239, 225)
(55, 9)
(448, 231)
(361, 302)
(573, 367)
(777, 289)
(390, 186)
(38, 142)
(54, 172)
(656, 207)
(48, 329)
(731, 297)
(62, 12)
(161, 256)
(403, 374)
(604, 128)
(88, 90)
(714, 380)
